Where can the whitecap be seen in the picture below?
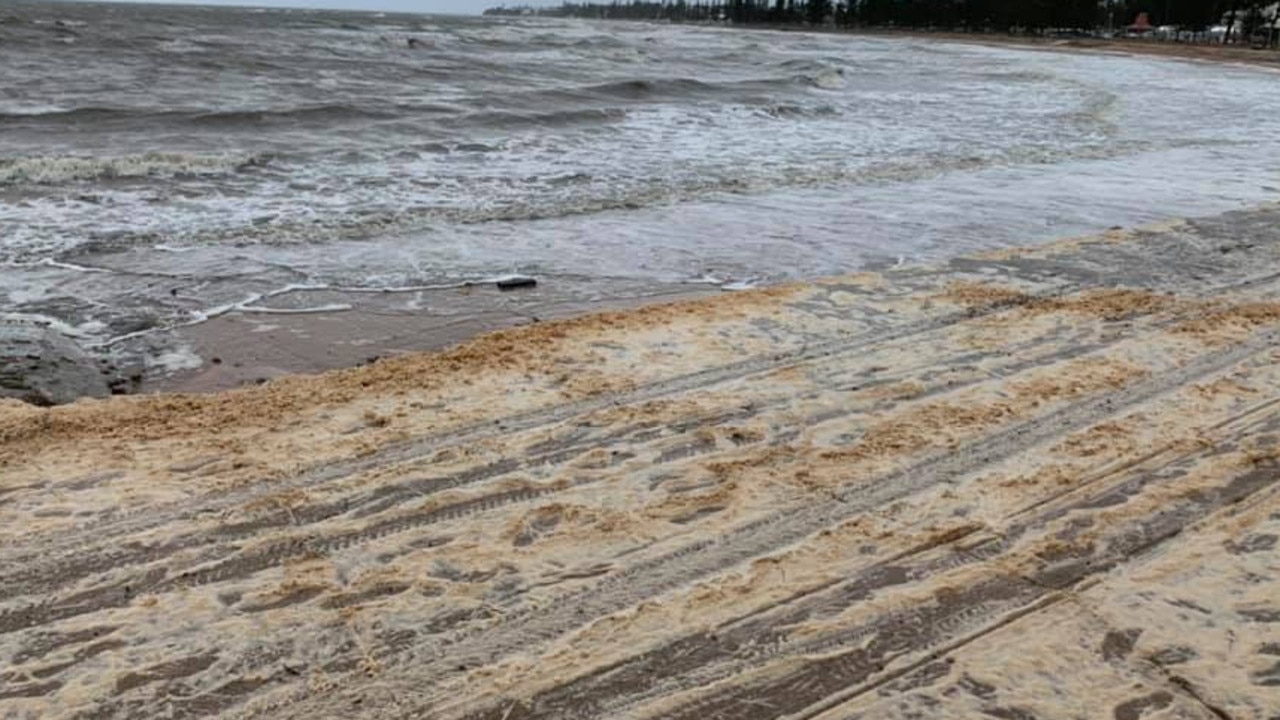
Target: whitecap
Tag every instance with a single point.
(53, 170)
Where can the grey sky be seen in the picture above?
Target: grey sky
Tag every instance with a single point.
(470, 7)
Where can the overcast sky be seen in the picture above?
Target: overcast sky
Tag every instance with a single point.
(470, 7)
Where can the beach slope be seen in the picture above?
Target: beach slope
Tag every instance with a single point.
(1040, 483)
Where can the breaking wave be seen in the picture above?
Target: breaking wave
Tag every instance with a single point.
(680, 89)
(560, 118)
(641, 89)
(58, 170)
(588, 197)
(244, 116)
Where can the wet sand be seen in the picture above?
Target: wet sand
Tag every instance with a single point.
(239, 349)
(1037, 483)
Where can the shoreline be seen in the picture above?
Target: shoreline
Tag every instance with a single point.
(238, 349)
(1056, 466)
(1211, 53)
(375, 333)
(1218, 54)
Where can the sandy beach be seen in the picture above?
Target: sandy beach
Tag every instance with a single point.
(1206, 52)
(1031, 483)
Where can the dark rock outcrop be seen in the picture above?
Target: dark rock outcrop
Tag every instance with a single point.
(516, 282)
(42, 367)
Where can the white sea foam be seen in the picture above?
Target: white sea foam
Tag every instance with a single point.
(319, 309)
(50, 262)
(176, 360)
(827, 79)
(56, 169)
(705, 279)
(55, 324)
(31, 109)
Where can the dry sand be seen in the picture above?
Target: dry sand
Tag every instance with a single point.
(1037, 484)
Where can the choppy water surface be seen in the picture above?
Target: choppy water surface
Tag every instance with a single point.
(158, 164)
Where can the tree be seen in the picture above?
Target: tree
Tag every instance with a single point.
(974, 15)
(1273, 37)
(1253, 23)
(817, 11)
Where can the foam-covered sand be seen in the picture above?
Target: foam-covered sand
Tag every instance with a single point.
(1039, 483)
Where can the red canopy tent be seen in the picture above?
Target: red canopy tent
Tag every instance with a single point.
(1142, 25)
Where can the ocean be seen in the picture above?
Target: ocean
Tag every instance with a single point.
(162, 166)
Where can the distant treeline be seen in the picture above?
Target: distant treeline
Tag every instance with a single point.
(984, 15)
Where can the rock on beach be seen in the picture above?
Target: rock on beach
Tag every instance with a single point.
(41, 366)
